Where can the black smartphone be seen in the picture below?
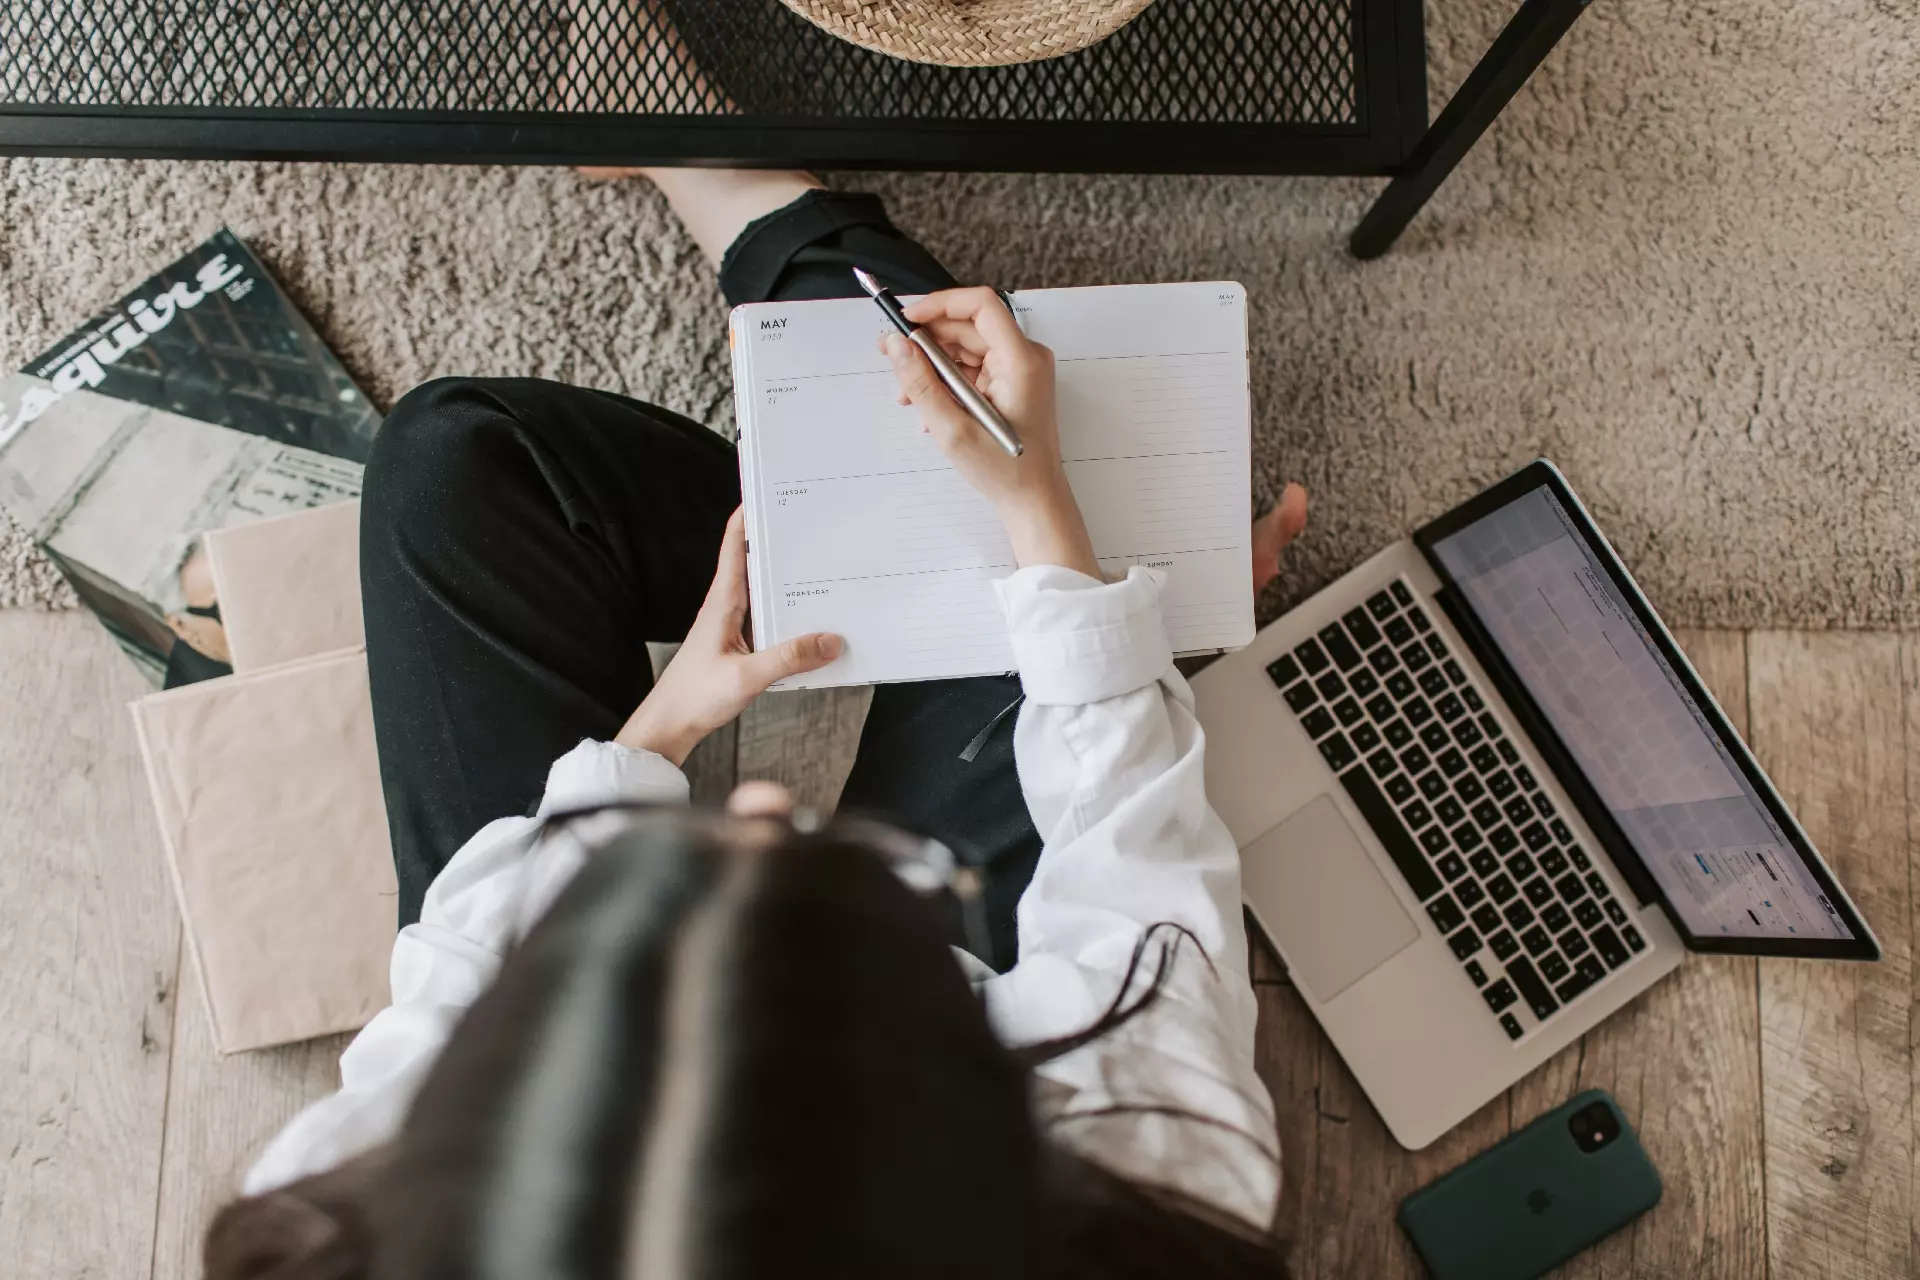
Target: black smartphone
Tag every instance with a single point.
(1517, 1210)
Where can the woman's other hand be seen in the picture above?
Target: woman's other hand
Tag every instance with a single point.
(1030, 492)
(717, 673)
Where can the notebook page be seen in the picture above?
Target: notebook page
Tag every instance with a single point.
(858, 525)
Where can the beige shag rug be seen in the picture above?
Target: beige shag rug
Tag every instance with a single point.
(1685, 265)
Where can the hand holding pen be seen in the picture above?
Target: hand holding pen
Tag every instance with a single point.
(958, 384)
(1014, 375)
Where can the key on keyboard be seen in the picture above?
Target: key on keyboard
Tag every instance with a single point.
(1341, 649)
(1361, 628)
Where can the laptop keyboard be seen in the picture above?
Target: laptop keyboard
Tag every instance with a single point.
(1439, 780)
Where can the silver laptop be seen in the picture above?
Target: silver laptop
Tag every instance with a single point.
(1482, 801)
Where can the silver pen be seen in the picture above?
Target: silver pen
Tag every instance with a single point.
(977, 406)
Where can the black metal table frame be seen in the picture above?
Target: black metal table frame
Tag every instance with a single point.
(1394, 140)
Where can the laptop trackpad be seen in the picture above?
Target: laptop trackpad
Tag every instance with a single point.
(1333, 915)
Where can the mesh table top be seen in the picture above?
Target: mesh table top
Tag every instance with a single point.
(1298, 66)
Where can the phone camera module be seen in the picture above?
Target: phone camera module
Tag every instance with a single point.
(1593, 1126)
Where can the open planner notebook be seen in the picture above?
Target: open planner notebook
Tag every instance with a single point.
(856, 524)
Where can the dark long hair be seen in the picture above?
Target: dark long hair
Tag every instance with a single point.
(730, 1050)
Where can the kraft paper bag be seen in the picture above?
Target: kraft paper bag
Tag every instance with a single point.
(268, 793)
(289, 587)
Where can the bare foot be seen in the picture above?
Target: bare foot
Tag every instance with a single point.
(1273, 531)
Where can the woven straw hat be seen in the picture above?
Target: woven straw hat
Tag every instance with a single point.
(970, 33)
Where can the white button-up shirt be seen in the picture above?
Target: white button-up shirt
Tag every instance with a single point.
(1110, 762)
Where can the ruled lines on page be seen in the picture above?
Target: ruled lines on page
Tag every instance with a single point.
(861, 527)
(1155, 422)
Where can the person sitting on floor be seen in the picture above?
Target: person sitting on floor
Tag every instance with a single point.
(655, 1042)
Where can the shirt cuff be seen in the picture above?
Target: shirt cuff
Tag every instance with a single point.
(600, 773)
(1078, 640)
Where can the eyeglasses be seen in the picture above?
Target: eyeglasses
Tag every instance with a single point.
(922, 863)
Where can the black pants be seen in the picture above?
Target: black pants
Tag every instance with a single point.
(522, 540)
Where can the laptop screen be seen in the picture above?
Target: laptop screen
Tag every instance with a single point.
(1652, 756)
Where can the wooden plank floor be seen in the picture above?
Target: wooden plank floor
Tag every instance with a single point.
(1775, 1097)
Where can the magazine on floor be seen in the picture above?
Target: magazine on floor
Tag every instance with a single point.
(200, 400)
